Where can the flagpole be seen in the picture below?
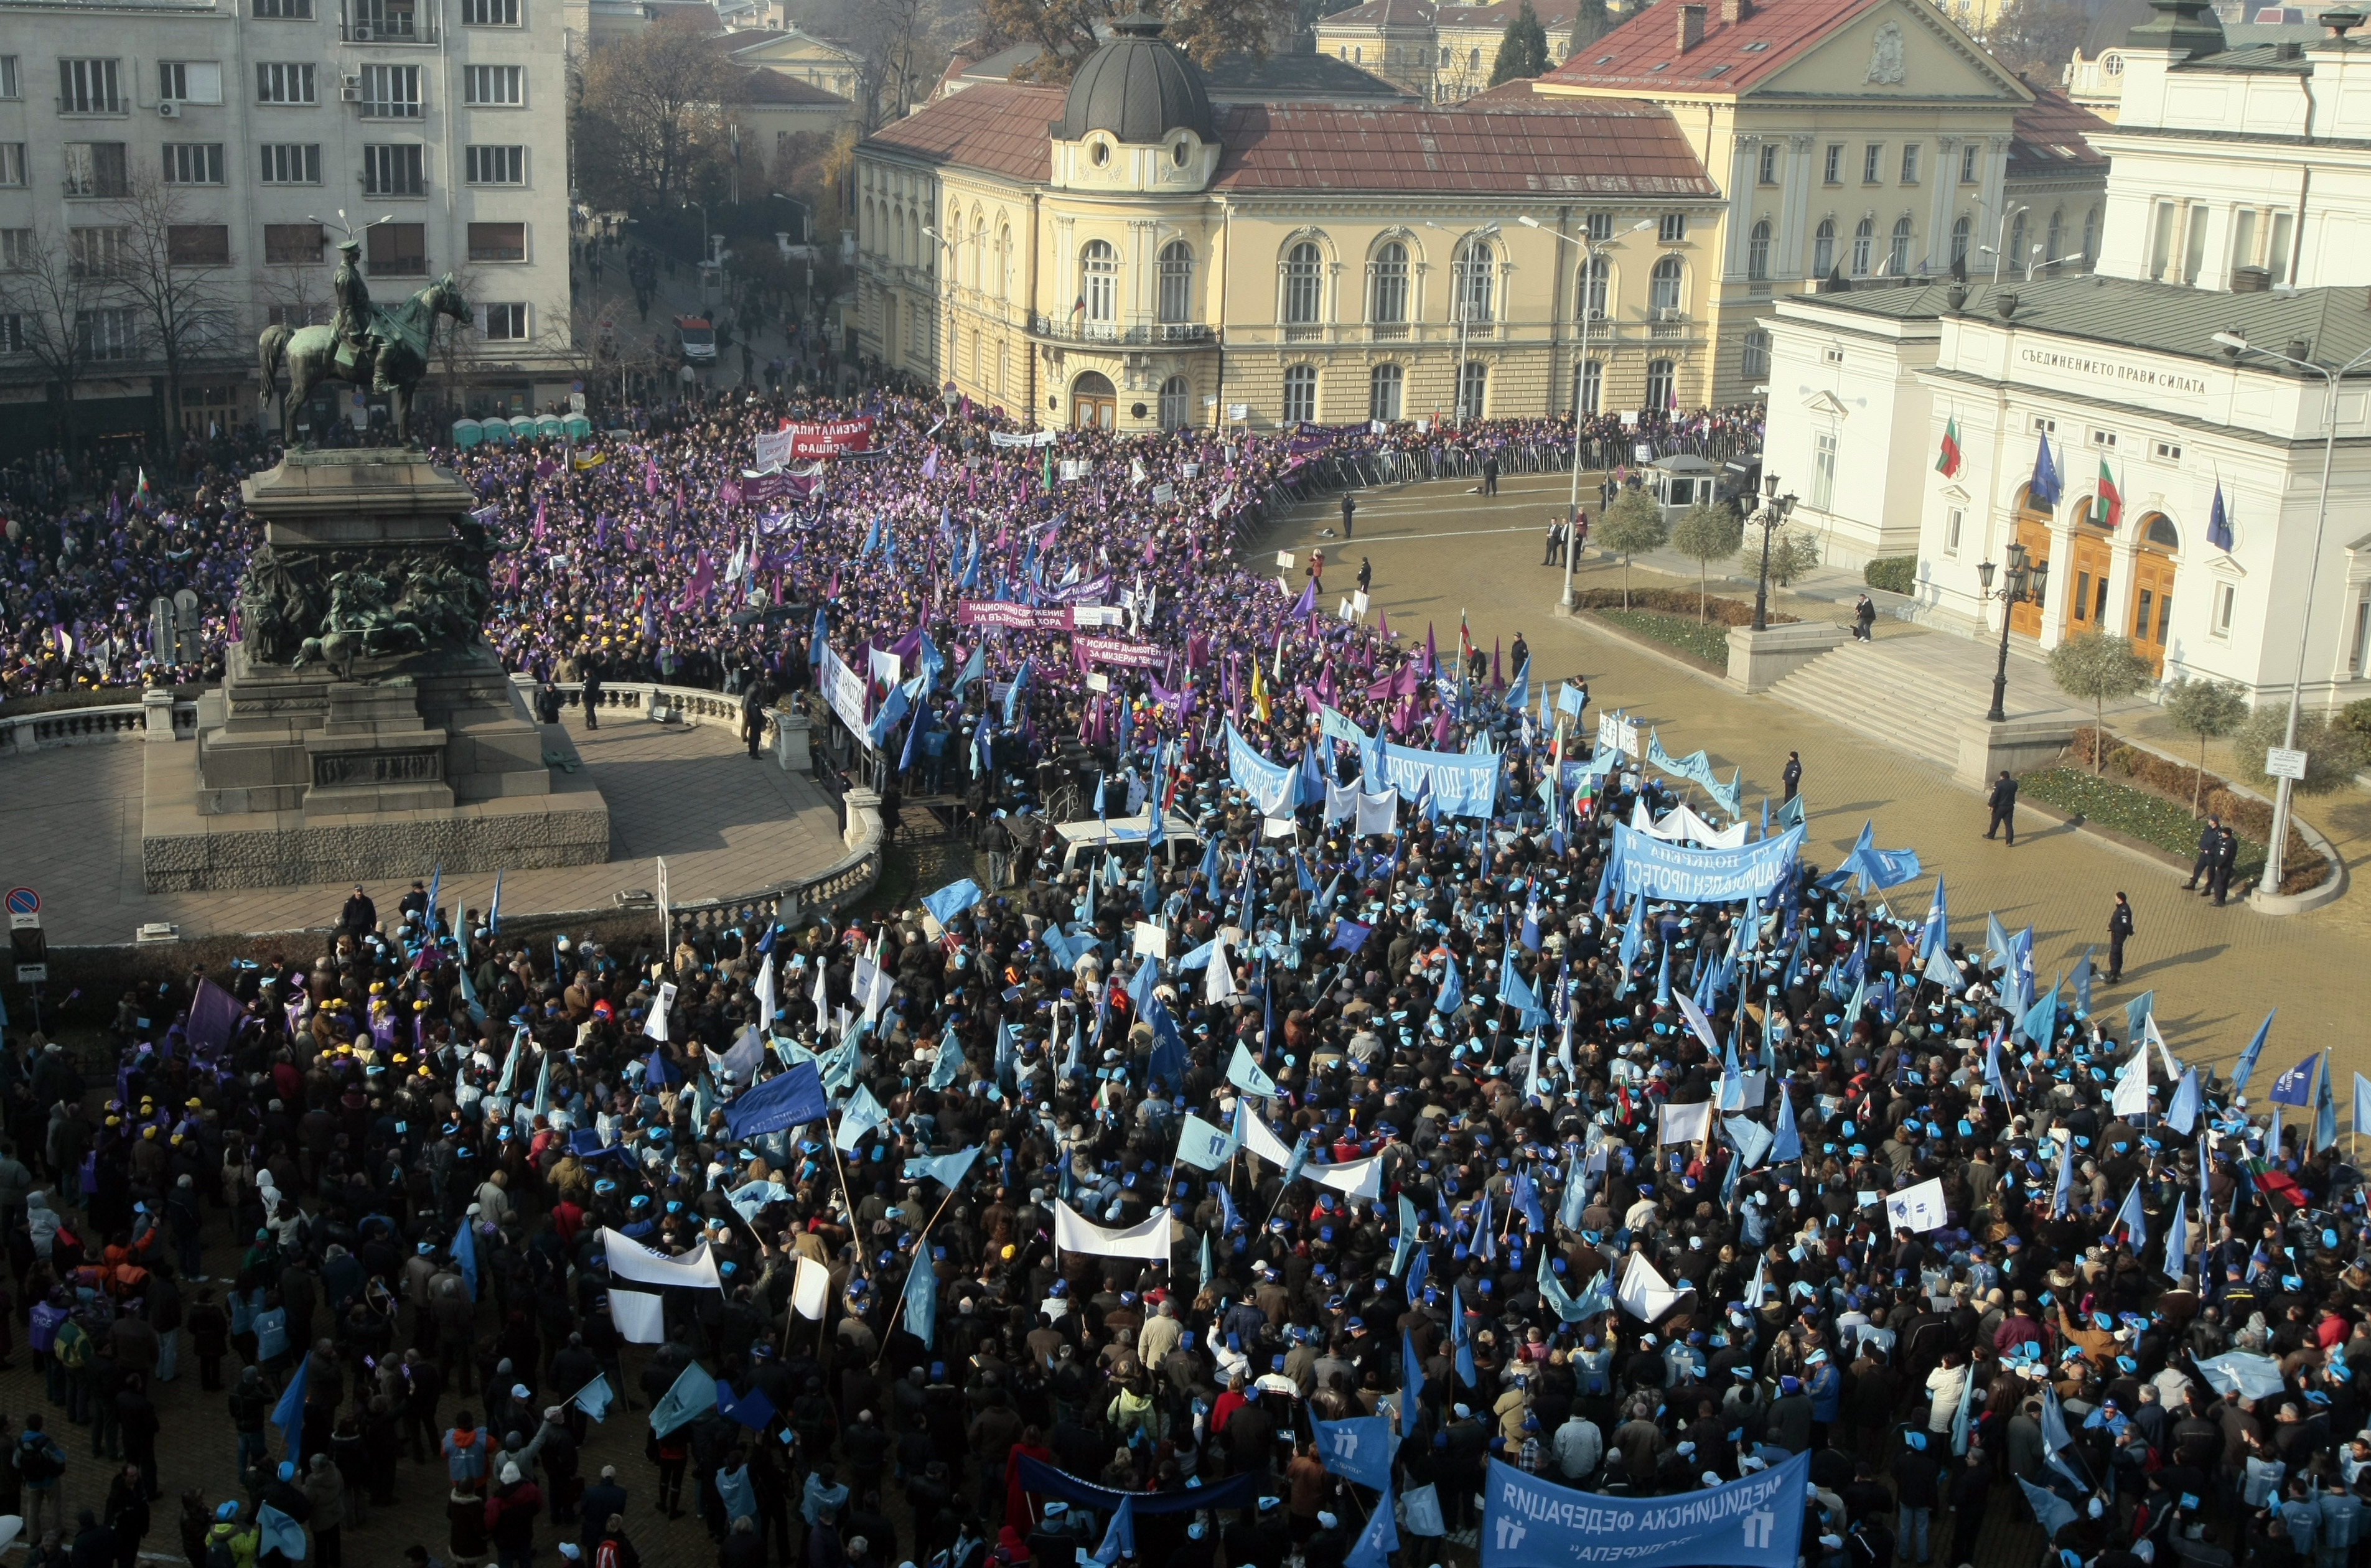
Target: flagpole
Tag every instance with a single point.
(922, 1255)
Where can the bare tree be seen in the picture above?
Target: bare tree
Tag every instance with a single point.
(61, 297)
(649, 114)
(176, 273)
(1065, 30)
(893, 40)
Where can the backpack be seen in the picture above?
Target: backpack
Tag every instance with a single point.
(72, 1346)
(219, 1555)
(38, 1462)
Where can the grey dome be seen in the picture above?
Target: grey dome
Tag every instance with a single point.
(1138, 88)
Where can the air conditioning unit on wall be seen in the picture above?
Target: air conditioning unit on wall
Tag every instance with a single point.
(169, 109)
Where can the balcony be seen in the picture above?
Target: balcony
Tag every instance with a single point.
(97, 186)
(1304, 332)
(1076, 329)
(390, 29)
(415, 191)
(1669, 323)
(1388, 331)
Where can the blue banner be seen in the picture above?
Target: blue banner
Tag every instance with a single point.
(1460, 785)
(1358, 1450)
(1236, 1491)
(789, 1098)
(1335, 725)
(1645, 864)
(1754, 1523)
(1269, 784)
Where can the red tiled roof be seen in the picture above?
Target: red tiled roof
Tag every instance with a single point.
(2052, 133)
(1506, 141)
(1603, 147)
(996, 126)
(1643, 53)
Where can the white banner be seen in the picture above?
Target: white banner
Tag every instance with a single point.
(811, 1291)
(640, 1317)
(1267, 1144)
(629, 1259)
(1074, 1234)
(1686, 1123)
(773, 449)
(1356, 1178)
(1917, 1208)
(1643, 1293)
(1379, 813)
(1035, 438)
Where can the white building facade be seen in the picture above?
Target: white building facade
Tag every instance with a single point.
(252, 123)
(2123, 383)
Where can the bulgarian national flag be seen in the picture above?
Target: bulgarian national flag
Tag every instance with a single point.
(2110, 499)
(1947, 461)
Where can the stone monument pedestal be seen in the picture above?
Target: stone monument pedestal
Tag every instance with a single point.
(362, 731)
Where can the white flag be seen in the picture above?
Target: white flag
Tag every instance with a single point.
(2131, 1098)
(655, 1025)
(811, 1291)
(1643, 1293)
(1918, 1208)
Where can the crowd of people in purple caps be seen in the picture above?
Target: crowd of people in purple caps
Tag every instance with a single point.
(1078, 1216)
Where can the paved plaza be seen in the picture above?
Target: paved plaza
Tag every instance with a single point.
(1437, 549)
(727, 825)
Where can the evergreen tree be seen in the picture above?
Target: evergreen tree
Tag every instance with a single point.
(1590, 23)
(1523, 50)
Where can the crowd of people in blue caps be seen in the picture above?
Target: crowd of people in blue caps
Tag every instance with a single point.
(1079, 1215)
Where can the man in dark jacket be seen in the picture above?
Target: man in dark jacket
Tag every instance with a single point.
(2003, 801)
(2208, 838)
(2227, 856)
(2120, 928)
(604, 1500)
(360, 914)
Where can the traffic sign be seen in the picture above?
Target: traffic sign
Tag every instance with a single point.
(2280, 762)
(24, 901)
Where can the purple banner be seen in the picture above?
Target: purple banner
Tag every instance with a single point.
(998, 612)
(1112, 650)
(1093, 589)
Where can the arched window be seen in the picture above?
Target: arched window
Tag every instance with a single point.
(1756, 362)
(1473, 384)
(1099, 281)
(2090, 236)
(1477, 274)
(1174, 403)
(1897, 258)
(1757, 252)
(1823, 248)
(1588, 386)
(2017, 258)
(1659, 384)
(1473, 60)
(1383, 385)
(1301, 395)
(1963, 229)
(1863, 241)
(1176, 282)
(2054, 242)
(1304, 286)
(1589, 291)
(1387, 288)
(1663, 284)
(2163, 534)
(1004, 262)
(978, 258)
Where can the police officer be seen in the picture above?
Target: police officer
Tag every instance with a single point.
(2120, 928)
(2227, 856)
(1792, 777)
(2208, 837)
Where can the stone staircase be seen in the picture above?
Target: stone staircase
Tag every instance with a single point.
(1902, 701)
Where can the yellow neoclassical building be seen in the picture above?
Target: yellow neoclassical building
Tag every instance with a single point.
(1867, 140)
(1137, 251)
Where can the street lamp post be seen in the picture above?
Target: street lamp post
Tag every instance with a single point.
(2237, 344)
(1770, 519)
(2025, 580)
(1590, 250)
(1461, 273)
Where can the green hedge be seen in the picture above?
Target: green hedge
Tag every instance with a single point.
(2135, 814)
(1708, 642)
(1895, 574)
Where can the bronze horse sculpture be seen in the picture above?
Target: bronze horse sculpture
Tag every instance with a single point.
(401, 339)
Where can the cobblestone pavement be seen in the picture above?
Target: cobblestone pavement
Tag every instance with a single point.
(1438, 548)
(70, 823)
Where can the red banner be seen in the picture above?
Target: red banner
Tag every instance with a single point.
(998, 612)
(832, 438)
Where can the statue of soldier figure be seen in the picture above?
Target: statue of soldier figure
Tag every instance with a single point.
(385, 349)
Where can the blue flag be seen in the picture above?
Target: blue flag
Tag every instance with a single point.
(1452, 989)
(2182, 1113)
(2137, 1010)
(465, 1256)
(2247, 1063)
(1119, 1537)
(288, 1416)
(2294, 1087)
(1460, 1337)
(752, 1410)
(1358, 1450)
(2130, 1216)
(1376, 1543)
(946, 1170)
(922, 1295)
(693, 1393)
(1786, 1143)
(1411, 1381)
(275, 1531)
(595, 1397)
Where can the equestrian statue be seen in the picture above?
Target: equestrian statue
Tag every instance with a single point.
(365, 344)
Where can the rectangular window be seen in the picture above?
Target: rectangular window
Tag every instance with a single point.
(1909, 163)
(112, 333)
(502, 323)
(393, 169)
(15, 249)
(10, 86)
(2362, 633)
(89, 87)
(290, 245)
(1673, 228)
(2167, 452)
(12, 163)
(397, 251)
(2044, 426)
(189, 81)
(12, 334)
(2162, 240)
(1833, 356)
(490, 13)
(95, 168)
(1873, 162)
(2227, 596)
(1952, 518)
(497, 242)
(279, 83)
(2083, 596)
(1833, 168)
(193, 162)
(2193, 245)
(494, 165)
(2243, 238)
(501, 86)
(2104, 439)
(291, 163)
(284, 10)
(1968, 169)
(2276, 253)
(391, 92)
(197, 245)
(1769, 170)
(297, 315)
(1823, 470)
(1600, 226)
